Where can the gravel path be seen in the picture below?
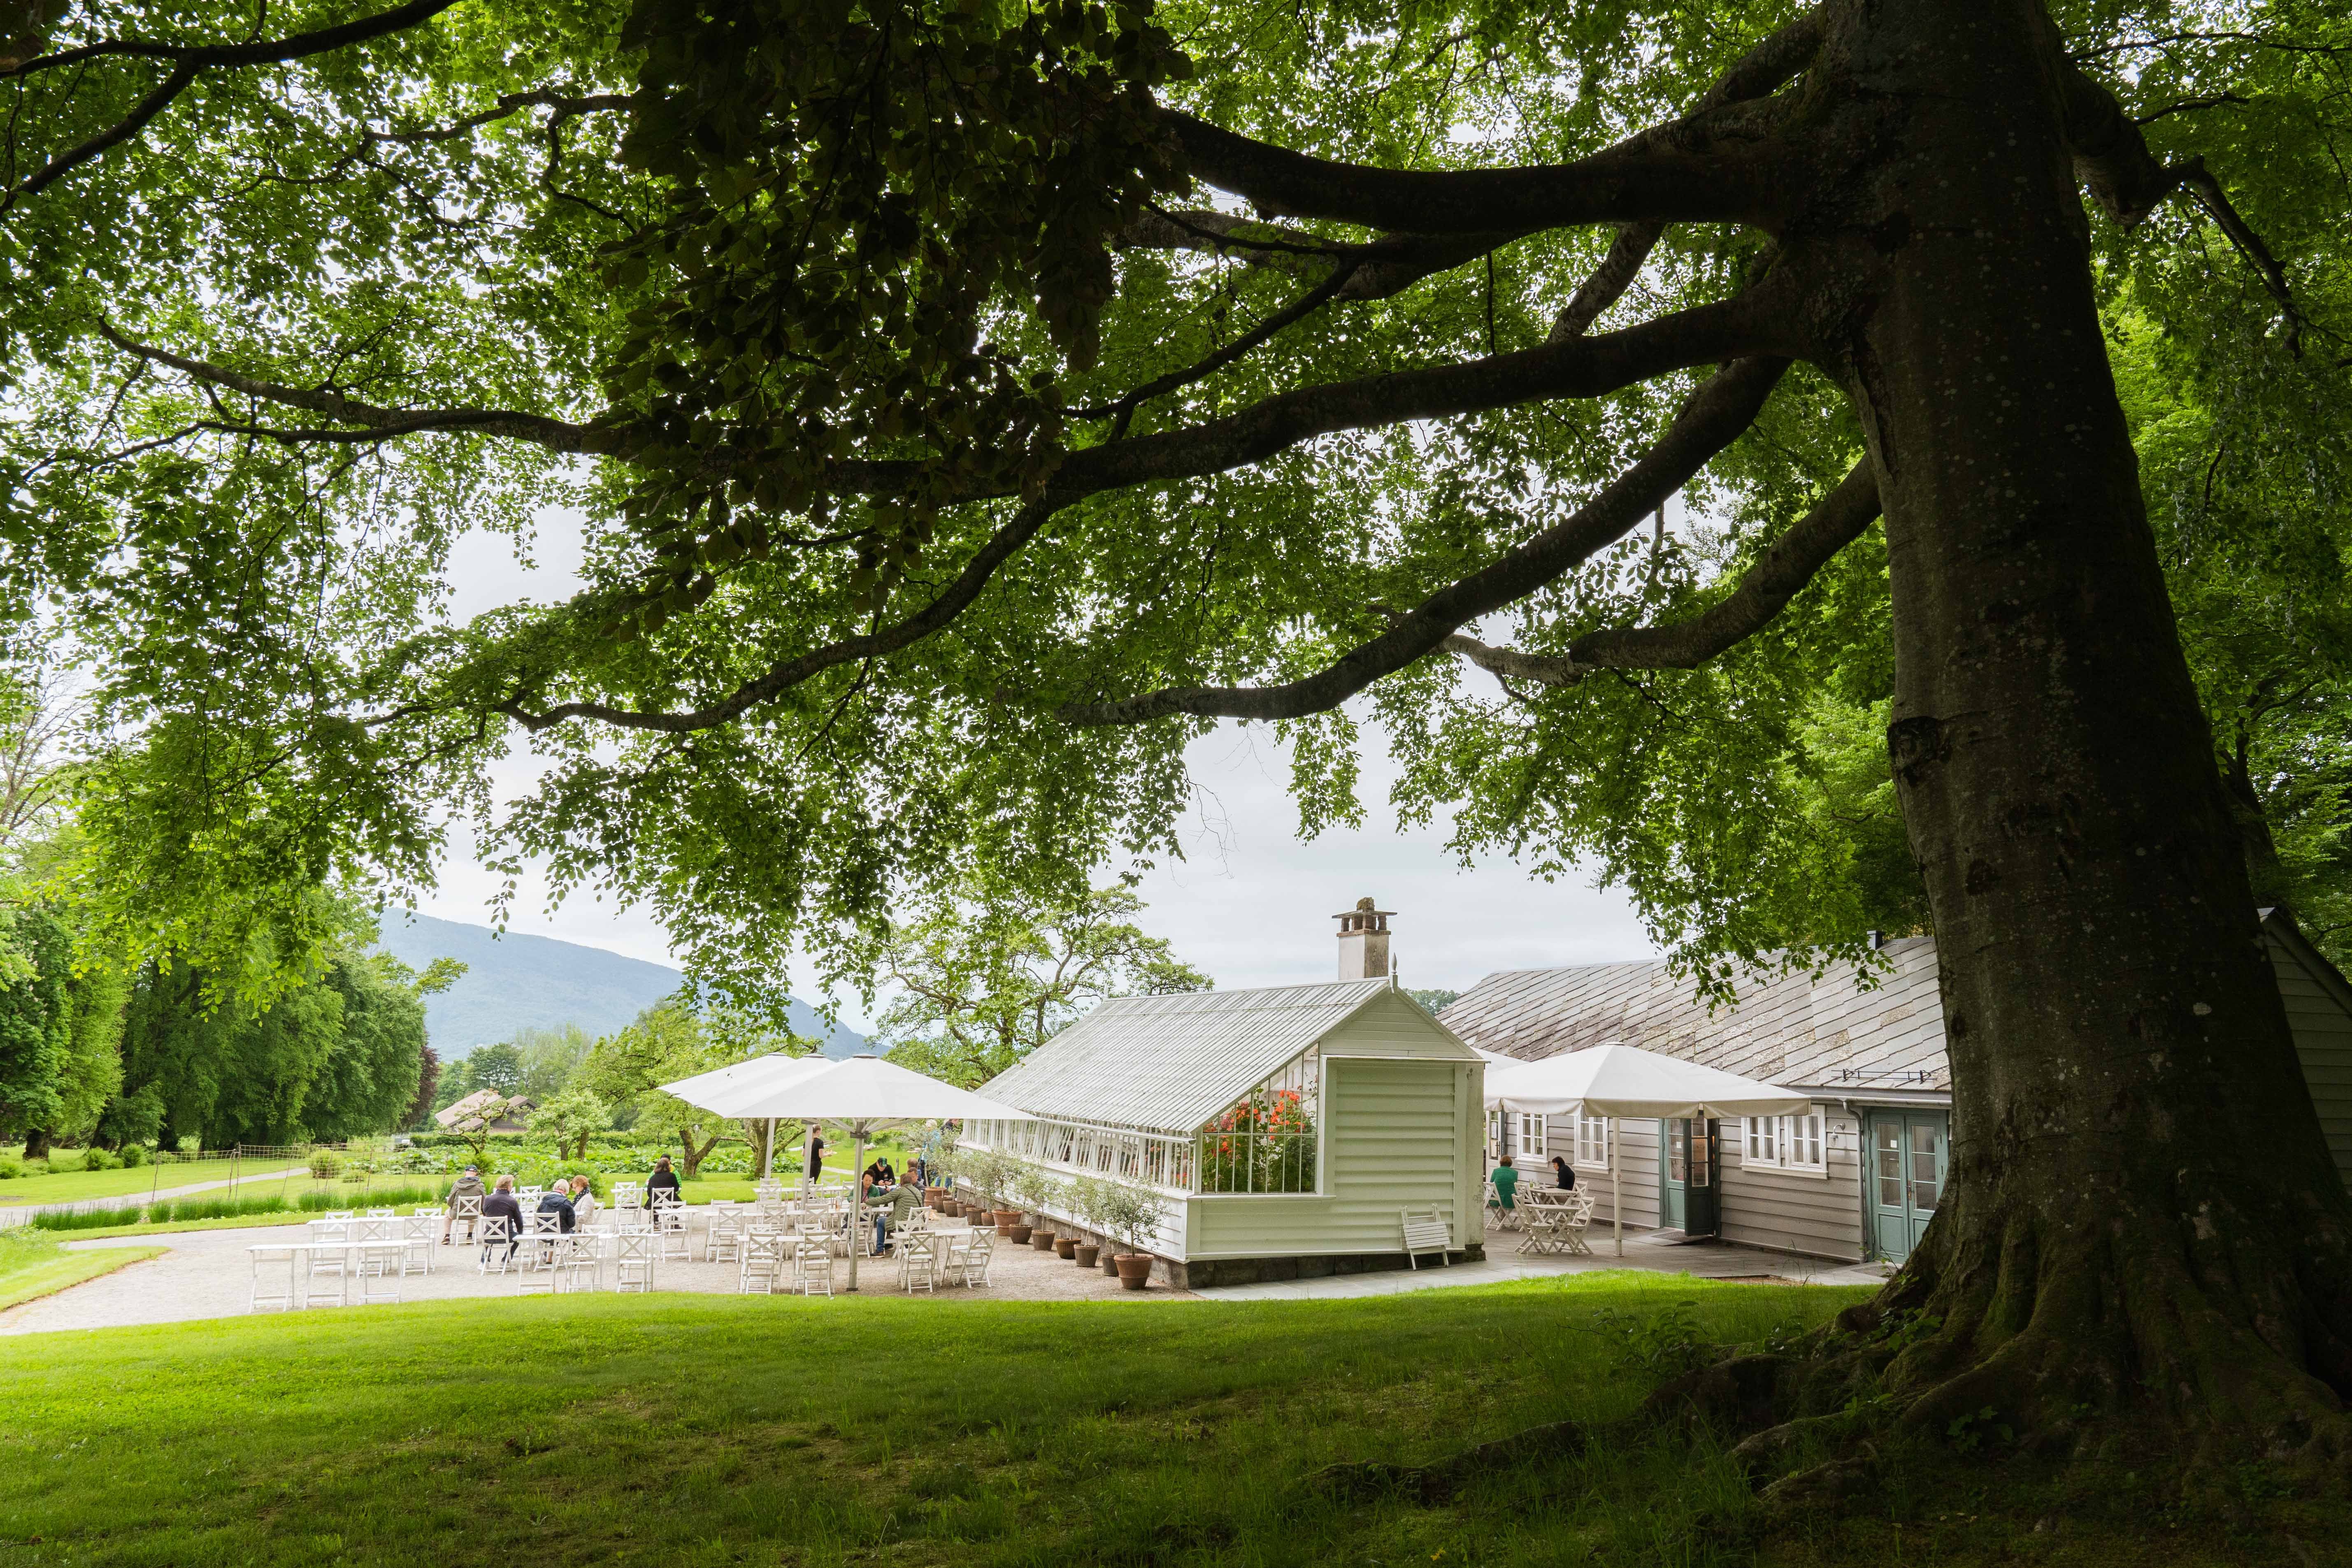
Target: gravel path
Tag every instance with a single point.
(209, 1274)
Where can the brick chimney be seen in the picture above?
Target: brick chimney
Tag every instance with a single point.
(1363, 942)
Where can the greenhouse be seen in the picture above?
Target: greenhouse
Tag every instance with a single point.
(1289, 1130)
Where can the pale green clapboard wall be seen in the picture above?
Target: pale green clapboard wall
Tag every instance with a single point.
(1399, 1133)
(2323, 1038)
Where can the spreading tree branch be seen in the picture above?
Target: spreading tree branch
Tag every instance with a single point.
(1765, 589)
(373, 422)
(1713, 419)
(782, 677)
(188, 62)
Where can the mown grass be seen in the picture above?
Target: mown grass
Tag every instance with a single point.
(73, 1186)
(688, 1432)
(33, 1264)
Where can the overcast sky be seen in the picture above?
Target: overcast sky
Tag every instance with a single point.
(1252, 903)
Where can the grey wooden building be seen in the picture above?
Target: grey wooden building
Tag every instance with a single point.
(1861, 1175)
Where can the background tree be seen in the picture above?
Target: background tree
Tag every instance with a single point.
(497, 1068)
(985, 976)
(669, 1041)
(966, 416)
(418, 1116)
(571, 1119)
(552, 1059)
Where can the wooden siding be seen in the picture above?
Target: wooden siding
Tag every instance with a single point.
(1396, 1136)
(2323, 1038)
(1394, 1025)
(1790, 1212)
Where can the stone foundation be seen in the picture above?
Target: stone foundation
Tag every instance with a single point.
(1208, 1273)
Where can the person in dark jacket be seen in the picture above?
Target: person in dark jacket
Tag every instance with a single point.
(663, 1180)
(815, 1157)
(501, 1205)
(468, 1186)
(1565, 1172)
(557, 1200)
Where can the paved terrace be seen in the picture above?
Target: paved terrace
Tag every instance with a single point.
(208, 1274)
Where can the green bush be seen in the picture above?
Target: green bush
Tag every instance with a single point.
(100, 1160)
(134, 1154)
(325, 1164)
(10, 1167)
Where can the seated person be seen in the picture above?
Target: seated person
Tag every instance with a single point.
(1505, 1177)
(663, 1180)
(583, 1203)
(894, 1206)
(468, 1186)
(1566, 1172)
(556, 1200)
(501, 1205)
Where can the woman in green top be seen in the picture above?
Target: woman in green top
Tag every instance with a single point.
(1506, 1178)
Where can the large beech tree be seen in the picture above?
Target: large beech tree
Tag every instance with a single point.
(964, 405)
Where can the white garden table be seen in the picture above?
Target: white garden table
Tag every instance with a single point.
(302, 1252)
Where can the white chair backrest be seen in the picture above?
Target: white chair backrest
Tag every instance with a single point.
(469, 1207)
(546, 1224)
(340, 1214)
(383, 1214)
(494, 1228)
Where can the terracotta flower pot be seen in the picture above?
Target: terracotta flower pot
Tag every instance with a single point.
(1041, 1239)
(1066, 1247)
(1134, 1269)
(1006, 1216)
(1087, 1251)
(1016, 1234)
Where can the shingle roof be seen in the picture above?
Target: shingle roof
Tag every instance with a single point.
(1791, 1030)
(1174, 1062)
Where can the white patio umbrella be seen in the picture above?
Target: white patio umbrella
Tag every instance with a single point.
(724, 1089)
(865, 1094)
(1616, 1080)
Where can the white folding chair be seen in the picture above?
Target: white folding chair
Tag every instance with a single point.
(813, 1269)
(763, 1264)
(633, 1261)
(918, 1256)
(968, 1263)
(669, 1222)
(465, 1211)
(497, 1245)
(723, 1243)
(416, 1239)
(577, 1265)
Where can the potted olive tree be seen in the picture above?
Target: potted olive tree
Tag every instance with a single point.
(1085, 1207)
(1048, 1192)
(1012, 1223)
(1131, 1213)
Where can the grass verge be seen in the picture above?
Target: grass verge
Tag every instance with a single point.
(704, 1431)
(33, 1265)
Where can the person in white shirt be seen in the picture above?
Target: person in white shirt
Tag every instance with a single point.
(583, 1202)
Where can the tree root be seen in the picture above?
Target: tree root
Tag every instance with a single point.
(1432, 1484)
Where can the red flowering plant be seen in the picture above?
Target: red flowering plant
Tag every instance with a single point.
(1264, 1143)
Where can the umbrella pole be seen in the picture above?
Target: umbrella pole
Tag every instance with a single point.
(858, 1206)
(1616, 1189)
(768, 1151)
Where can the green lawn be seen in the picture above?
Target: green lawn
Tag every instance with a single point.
(72, 1186)
(690, 1431)
(33, 1264)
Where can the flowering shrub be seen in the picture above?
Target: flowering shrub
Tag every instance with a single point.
(1266, 1144)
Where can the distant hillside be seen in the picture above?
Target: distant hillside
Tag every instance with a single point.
(513, 983)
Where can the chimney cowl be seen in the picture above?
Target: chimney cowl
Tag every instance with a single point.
(1364, 941)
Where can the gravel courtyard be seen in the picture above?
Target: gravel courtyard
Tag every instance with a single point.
(209, 1274)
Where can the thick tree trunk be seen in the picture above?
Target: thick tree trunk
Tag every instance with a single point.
(37, 1144)
(2141, 1213)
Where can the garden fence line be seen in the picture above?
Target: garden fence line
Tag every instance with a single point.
(221, 1171)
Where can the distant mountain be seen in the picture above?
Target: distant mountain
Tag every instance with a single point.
(513, 983)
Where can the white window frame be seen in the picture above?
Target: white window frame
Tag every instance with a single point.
(1494, 1134)
(1531, 1136)
(1591, 1142)
(1797, 1145)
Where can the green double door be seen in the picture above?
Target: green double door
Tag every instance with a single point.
(1910, 1157)
(1686, 1192)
